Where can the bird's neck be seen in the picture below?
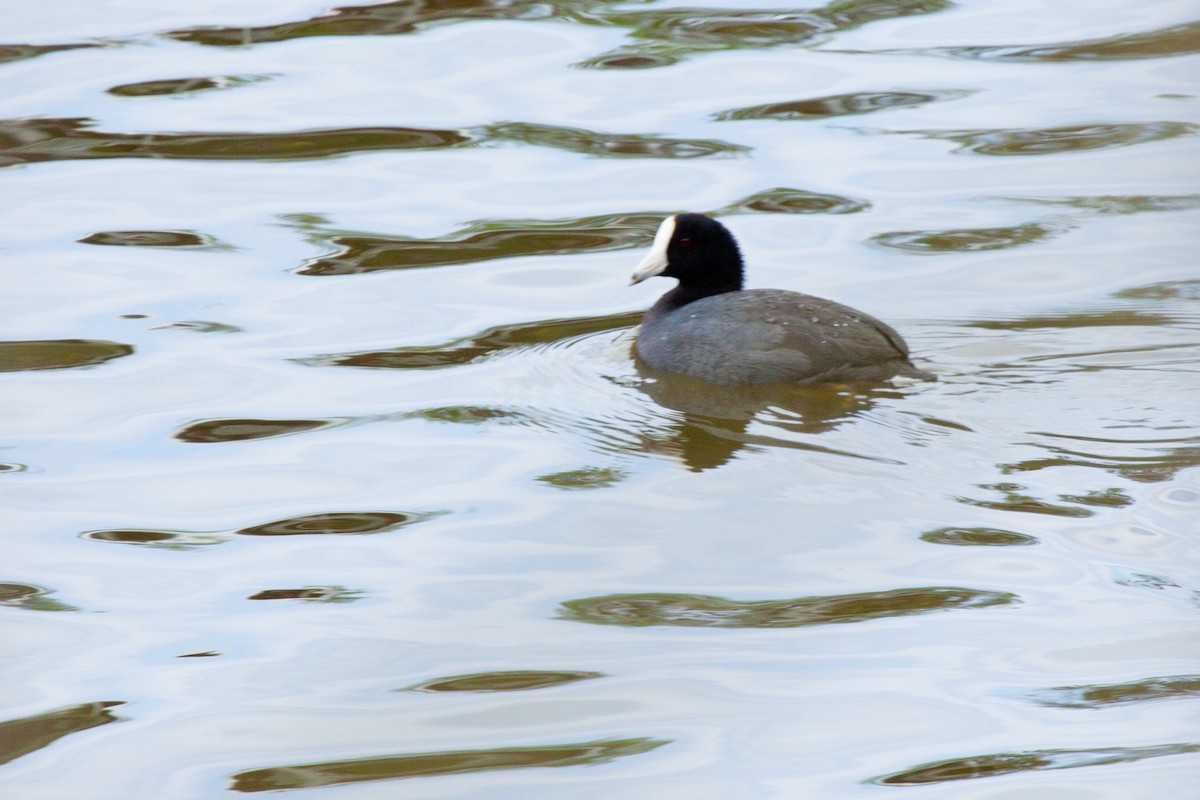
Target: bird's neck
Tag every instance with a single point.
(683, 294)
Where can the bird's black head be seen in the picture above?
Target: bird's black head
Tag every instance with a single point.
(698, 251)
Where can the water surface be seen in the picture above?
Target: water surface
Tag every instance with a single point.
(326, 469)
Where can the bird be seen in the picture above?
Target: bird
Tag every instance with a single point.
(710, 327)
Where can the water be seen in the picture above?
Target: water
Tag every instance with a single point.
(327, 469)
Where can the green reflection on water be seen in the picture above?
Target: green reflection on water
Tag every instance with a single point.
(148, 239)
(1022, 503)
(667, 35)
(782, 200)
(448, 762)
(1173, 41)
(585, 478)
(839, 105)
(509, 681)
(1101, 695)
(19, 52)
(177, 86)
(1029, 761)
(1161, 463)
(239, 430)
(492, 340)
(662, 35)
(340, 523)
(38, 354)
(310, 594)
(25, 141)
(1080, 319)
(19, 737)
(24, 595)
(973, 537)
(343, 523)
(969, 239)
(1066, 139)
(578, 140)
(1166, 290)
(1119, 204)
(480, 241)
(694, 610)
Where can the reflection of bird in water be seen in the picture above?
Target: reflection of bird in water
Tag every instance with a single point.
(709, 327)
(715, 417)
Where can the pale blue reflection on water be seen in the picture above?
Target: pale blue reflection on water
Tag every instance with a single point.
(380, 429)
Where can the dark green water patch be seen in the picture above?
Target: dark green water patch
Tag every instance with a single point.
(20, 52)
(1166, 290)
(1119, 204)
(708, 611)
(628, 145)
(668, 35)
(1176, 40)
(180, 85)
(38, 354)
(978, 537)
(338, 523)
(1066, 139)
(1117, 318)
(1162, 464)
(33, 598)
(1023, 503)
(481, 345)
(1102, 695)
(585, 478)
(661, 36)
(210, 431)
(1104, 498)
(147, 239)
(839, 105)
(509, 681)
(967, 240)
(25, 735)
(309, 594)
(24, 141)
(446, 762)
(385, 19)
(169, 540)
(782, 200)
(481, 241)
(486, 240)
(467, 415)
(990, 766)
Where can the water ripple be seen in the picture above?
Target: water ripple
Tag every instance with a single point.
(447, 762)
(1065, 139)
(1101, 695)
(1176, 40)
(480, 345)
(20, 737)
(992, 765)
(840, 105)
(707, 611)
(39, 354)
(24, 141)
(19, 52)
(508, 681)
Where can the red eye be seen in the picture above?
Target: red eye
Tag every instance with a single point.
(684, 242)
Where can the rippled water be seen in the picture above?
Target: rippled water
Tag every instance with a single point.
(326, 468)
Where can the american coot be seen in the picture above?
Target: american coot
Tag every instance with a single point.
(711, 328)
